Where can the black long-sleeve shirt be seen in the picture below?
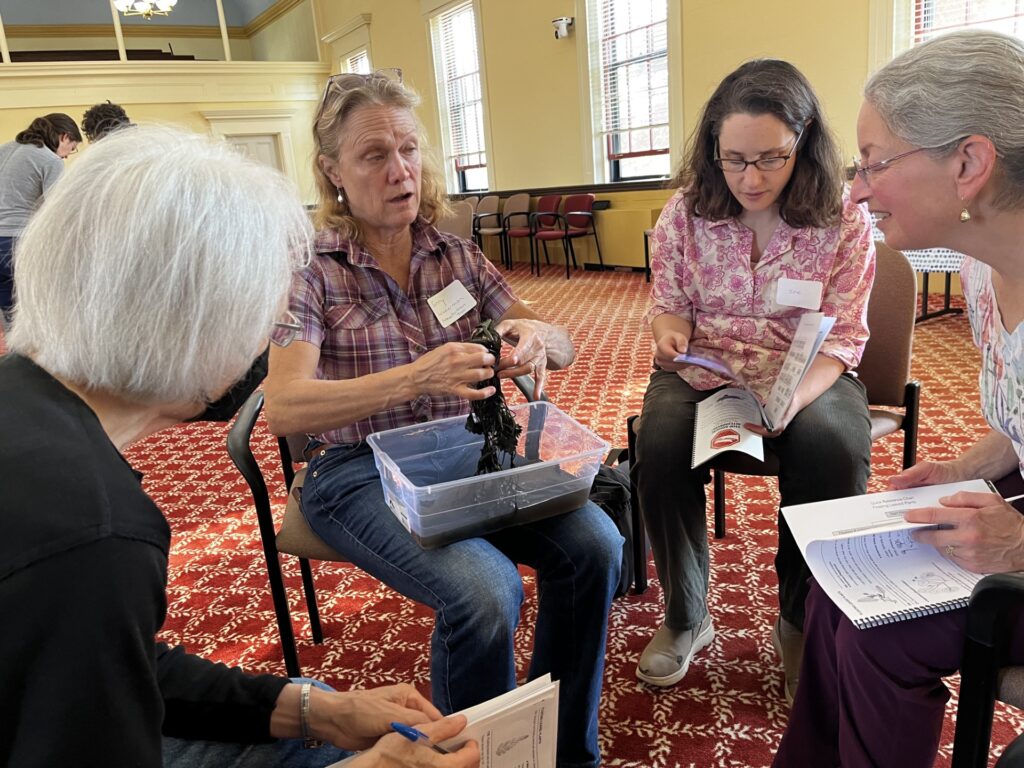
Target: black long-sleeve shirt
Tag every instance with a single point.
(83, 574)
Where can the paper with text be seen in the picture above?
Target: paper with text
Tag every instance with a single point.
(719, 425)
(451, 303)
(715, 430)
(518, 729)
(860, 551)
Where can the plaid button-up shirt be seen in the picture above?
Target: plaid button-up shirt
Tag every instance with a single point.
(363, 322)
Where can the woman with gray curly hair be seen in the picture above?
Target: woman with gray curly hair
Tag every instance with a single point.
(950, 177)
(369, 350)
(148, 281)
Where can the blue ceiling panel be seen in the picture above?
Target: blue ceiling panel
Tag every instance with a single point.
(237, 13)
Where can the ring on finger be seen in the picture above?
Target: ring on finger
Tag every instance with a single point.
(950, 549)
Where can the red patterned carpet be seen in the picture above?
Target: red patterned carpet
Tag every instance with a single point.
(728, 711)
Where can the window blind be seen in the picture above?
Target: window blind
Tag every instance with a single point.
(458, 79)
(936, 17)
(633, 61)
(359, 63)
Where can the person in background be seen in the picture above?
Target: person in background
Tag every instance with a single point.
(760, 201)
(100, 357)
(29, 166)
(101, 119)
(367, 352)
(950, 178)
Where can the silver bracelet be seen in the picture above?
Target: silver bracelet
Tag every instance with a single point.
(307, 740)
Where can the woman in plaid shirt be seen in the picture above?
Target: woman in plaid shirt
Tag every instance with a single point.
(371, 353)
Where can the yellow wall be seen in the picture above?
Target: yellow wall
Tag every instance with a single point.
(534, 84)
(827, 41)
(169, 92)
(399, 37)
(289, 38)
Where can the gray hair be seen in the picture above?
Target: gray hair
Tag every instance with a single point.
(156, 266)
(956, 85)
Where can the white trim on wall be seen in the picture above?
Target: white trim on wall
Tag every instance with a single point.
(41, 85)
(348, 38)
(881, 14)
(226, 123)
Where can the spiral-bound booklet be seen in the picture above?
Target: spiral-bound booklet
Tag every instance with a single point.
(860, 551)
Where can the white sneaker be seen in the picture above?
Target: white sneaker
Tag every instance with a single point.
(667, 657)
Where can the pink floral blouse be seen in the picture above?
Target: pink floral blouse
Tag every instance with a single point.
(702, 272)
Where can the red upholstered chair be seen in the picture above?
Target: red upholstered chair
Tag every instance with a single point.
(544, 219)
(576, 222)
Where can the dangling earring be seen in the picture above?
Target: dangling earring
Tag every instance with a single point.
(965, 215)
(341, 196)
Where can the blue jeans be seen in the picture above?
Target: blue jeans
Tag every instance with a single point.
(473, 587)
(180, 753)
(6, 278)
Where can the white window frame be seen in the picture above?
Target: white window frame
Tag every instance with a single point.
(434, 11)
(595, 163)
(347, 41)
(349, 62)
(889, 30)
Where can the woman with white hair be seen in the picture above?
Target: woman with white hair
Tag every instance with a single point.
(951, 177)
(383, 318)
(148, 281)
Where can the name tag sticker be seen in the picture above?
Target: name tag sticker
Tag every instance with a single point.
(451, 303)
(798, 293)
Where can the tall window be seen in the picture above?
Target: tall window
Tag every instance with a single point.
(457, 69)
(629, 84)
(359, 62)
(935, 17)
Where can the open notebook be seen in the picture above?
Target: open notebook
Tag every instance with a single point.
(860, 552)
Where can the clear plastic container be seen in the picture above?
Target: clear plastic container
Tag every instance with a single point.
(429, 474)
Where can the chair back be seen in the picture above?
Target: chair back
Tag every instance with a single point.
(579, 204)
(515, 210)
(885, 366)
(459, 222)
(472, 200)
(487, 204)
(548, 204)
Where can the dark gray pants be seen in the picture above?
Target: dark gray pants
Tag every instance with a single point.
(825, 453)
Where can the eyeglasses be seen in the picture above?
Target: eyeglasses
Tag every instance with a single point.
(735, 165)
(865, 171)
(346, 81)
(286, 328)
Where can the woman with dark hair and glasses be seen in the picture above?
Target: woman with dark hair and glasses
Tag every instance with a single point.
(370, 351)
(760, 208)
(951, 178)
(29, 166)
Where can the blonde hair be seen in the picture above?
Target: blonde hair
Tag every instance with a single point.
(329, 132)
(156, 266)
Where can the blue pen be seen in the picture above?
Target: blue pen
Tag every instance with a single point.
(412, 734)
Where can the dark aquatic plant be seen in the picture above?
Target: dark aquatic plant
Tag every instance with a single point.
(491, 417)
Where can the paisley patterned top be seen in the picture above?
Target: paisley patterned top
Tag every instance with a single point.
(702, 272)
(1002, 356)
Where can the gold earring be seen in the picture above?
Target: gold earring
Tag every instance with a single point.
(965, 215)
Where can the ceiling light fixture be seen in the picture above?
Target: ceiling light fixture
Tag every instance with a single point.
(145, 8)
